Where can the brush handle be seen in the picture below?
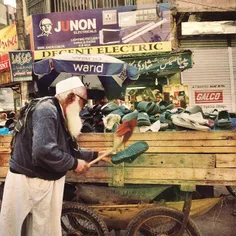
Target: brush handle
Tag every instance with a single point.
(99, 158)
(118, 143)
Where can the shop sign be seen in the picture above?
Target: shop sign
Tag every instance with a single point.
(163, 63)
(21, 65)
(111, 50)
(4, 65)
(8, 39)
(9, 42)
(101, 28)
(209, 96)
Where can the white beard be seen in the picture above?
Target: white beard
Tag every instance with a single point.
(74, 121)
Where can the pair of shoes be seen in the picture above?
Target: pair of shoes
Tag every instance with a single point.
(130, 153)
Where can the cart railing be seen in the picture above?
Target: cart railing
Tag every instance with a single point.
(183, 158)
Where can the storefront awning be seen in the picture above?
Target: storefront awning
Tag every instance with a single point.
(162, 64)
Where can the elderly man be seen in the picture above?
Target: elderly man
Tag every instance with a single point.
(42, 154)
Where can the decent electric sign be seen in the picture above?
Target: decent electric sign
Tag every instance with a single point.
(209, 96)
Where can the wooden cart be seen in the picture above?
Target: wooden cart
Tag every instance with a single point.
(186, 159)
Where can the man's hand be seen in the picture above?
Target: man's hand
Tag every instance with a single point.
(106, 158)
(82, 167)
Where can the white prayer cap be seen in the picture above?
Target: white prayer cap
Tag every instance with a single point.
(68, 84)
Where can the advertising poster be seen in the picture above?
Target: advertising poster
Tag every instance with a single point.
(212, 96)
(9, 42)
(21, 65)
(121, 30)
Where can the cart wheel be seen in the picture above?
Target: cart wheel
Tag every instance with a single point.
(78, 220)
(231, 190)
(161, 221)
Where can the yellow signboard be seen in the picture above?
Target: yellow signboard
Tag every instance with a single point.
(8, 39)
(120, 49)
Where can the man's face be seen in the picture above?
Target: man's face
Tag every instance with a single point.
(72, 112)
(46, 28)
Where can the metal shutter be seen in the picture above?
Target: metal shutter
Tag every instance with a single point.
(210, 73)
(234, 71)
(203, 43)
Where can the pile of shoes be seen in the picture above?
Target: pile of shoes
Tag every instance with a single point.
(154, 117)
(223, 120)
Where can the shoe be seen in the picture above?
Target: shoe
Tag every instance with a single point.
(118, 112)
(143, 119)
(131, 116)
(212, 114)
(223, 119)
(109, 107)
(124, 109)
(154, 110)
(195, 109)
(110, 120)
(144, 106)
(195, 117)
(186, 123)
(130, 153)
(155, 127)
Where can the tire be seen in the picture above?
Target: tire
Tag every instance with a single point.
(160, 221)
(78, 219)
(231, 190)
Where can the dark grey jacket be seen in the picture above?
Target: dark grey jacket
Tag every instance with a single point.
(44, 151)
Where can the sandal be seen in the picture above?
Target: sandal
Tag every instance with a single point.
(130, 153)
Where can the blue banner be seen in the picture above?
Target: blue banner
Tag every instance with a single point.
(102, 27)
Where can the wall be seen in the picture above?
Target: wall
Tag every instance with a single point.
(205, 5)
(3, 16)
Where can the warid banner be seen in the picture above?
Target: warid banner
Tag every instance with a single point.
(114, 31)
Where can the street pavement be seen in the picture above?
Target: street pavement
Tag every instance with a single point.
(219, 221)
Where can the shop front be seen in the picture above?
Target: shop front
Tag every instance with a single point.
(160, 78)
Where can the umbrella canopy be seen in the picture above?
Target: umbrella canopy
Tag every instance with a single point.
(97, 71)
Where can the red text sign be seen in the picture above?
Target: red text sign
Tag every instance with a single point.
(209, 96)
